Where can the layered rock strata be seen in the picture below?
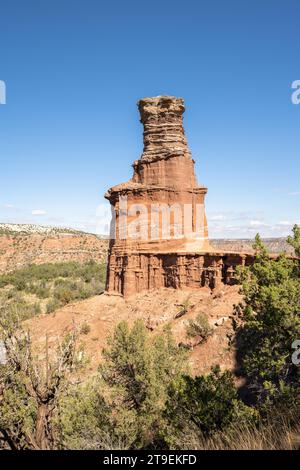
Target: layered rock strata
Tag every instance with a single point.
(159, 233)
(163, 185)
(136, 272)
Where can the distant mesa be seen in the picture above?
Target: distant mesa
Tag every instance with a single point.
(25, 244)
(33, 228)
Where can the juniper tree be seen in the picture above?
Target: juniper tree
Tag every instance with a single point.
(270, 315)
(30, 390)
(139, 368)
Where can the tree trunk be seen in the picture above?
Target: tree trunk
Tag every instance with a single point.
(42, 437)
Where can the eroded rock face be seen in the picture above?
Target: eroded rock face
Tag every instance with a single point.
(135, 272)
(163, 188)
(163, 180)
(166, 159)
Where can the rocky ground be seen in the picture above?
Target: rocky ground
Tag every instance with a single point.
(95, 319)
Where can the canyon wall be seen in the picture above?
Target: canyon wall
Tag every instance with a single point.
(136, 272)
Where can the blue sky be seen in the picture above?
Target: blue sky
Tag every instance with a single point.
(74, 71)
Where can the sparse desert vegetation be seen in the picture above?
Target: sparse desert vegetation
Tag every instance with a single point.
(43, 288)
(144, 394)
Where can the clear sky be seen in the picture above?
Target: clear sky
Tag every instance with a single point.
(74, 71)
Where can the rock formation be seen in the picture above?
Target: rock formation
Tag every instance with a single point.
(159, 235)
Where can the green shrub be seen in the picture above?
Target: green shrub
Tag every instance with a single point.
(64, 295)
(138, 370)
(52, 305)
(84, 420)
(208, 403)
(199, 327)
(37, 308)
(41, 292)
